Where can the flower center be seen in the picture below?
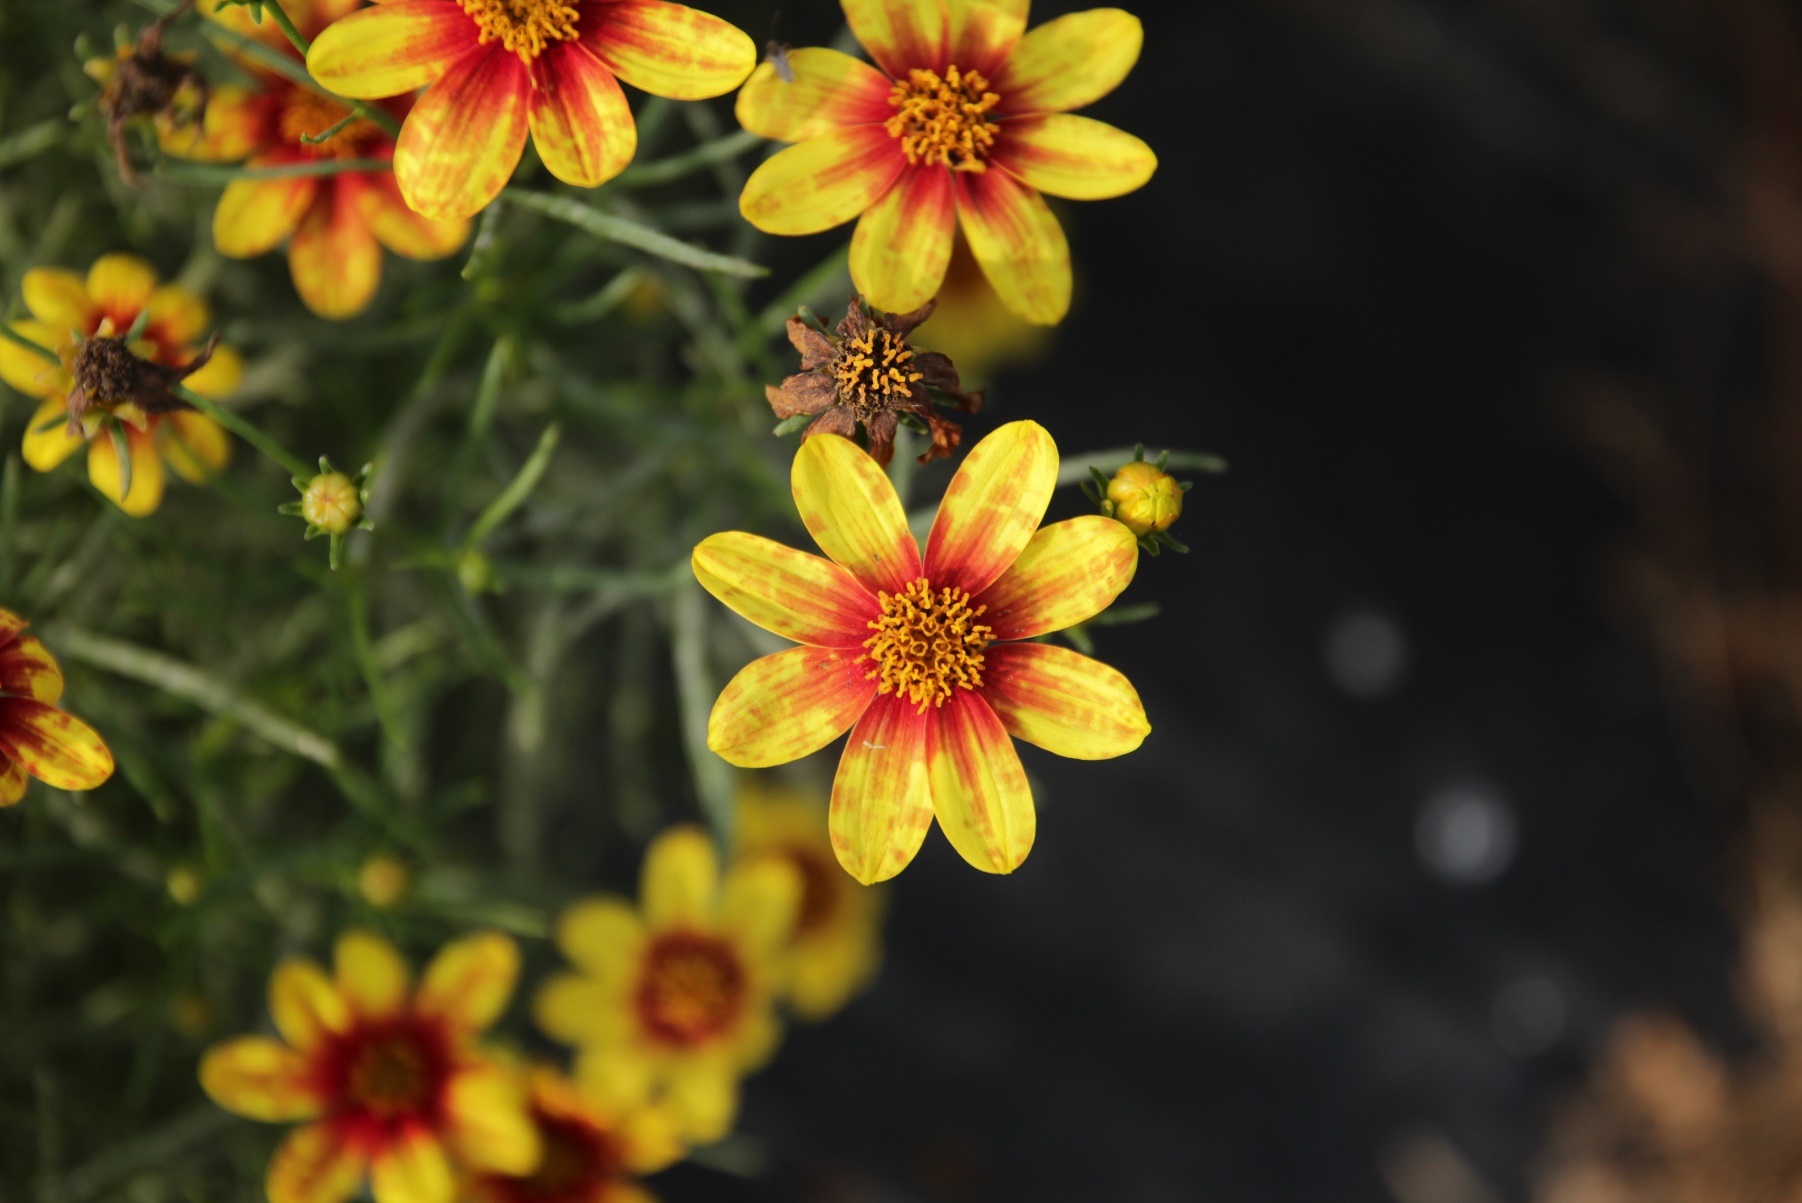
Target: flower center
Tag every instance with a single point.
(106, 370)
(390, 1074)
(944, 121)
(578, 1159)
(926, 642)
(305, 112)
(874, 371)
(820, 885)
(525, 27)
(691, 989)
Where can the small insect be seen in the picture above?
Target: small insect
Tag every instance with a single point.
(776, 53)
(875, 747)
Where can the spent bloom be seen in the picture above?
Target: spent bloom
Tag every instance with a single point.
(500, 68)
(140, 81)
(386, 1077)
(672, 999)
(37, 739)
(920, 657)
(964, 120)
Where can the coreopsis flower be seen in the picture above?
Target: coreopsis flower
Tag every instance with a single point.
(964, 120)
(500, 68)
(141, 81)
(919, 656)
(869, 375)
(837, 942)
(387, 1077)
(672, 1000)
(1145, 497)
(335, 225)
(107, 383)
(37, 739)
(594, 1149)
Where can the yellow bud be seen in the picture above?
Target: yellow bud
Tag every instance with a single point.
(1145, 498)
(331, 503)
(183, 884)
(383, 880)
(475, 573)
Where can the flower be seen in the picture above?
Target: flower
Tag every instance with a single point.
(907, 652)
(964, 120)
(117, 292)
(593, 1149)
(498, 68)
(870, 374)
(37, 739)
(1145, 498)
(141, 81)
(388, 1076)
(837, 942)
(672, 1000)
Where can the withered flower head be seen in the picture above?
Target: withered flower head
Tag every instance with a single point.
(108, 374)
(867, 372)
(144, 82)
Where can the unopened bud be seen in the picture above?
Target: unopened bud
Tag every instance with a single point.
(383, 880)
(1145, 498)
(332, 502)
(183, 884)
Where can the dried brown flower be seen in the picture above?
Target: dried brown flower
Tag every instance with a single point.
(867, 372)
(144, 82)
(108, 374)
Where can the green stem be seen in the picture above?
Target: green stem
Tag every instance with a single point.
(13, 336)
(282, 19)
(330, 132)
(717, 150)
(630, 233)
(294, 465)
(209, 174)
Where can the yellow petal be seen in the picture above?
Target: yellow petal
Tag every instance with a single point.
(601, 935)
(27, 669)
(177, 315)
(984, 32)
(1070, 62)
(901, 34)
(1064, 702)
(992, 507)
(13, 780)
(798, 596)
(58, 298)
(470, 981)
(399, 228)
(903, 243)
(146, 472)
(253, 216)
(334, 259)
(119, 286)
(881, 797)
(854, 514)
(488, 1125)
(55, 747)
(617, 1075)
(194, 446)
(788, 705)
(669, 49)
(822, 182)
(1018, 242)
(372, 976)
(261, 1079)
(680, 880)
(979, 790)
(316, 1164)
(580, 121)
(47, 438)
(411, 1168)
(759, 904)
(392, 48)
(703, 1094)
(460, 144)
(1068, 573)
(1075, 157)
(233, 128)
(30, 372)
(219, 377)
(568, 1007)
(304, 1004)
(830, 90)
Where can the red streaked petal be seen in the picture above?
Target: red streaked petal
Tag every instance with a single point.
(851, 510)
(798, 596)
(903, 242)
(1018, 242)
(992, 507)
(881, 798)
(1070, 62)
(56, 748)
(29, 670)
(1074, 157)
(830, 90)
(460, 144)
(262, 1079)
(253, 216)
(305, 1005)
(469, 982)
(901, 34)
(400, 229)
(334, 259)
(1062, 701)
(580, 121)
(789, 705)
(13, 780)
(822, 182)
(979, 790)
(10, 624)
(983, 32)
(1067, 573)
(393, 49)
(412, 1167)
(316, 1164)
(668, 49)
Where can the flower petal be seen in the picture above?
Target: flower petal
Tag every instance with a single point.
(903, 242)
(220, 376)
(830, 90)
(234, 126)
(798, 596)
(13, 780)
(992, 507)
(262, 1079)
(1068, 573)
(983, 32)
(119, 286)
(372, 977)
(58, 298)
(177, 315)
(304, 1004)
(399, 228)
(194, 446)
(146, 472)
(822, 182)
(461, 142)
(30, 372)
(881, 796)
(581, 123)
(1018, 242)
(853, 513)
(489, 1128)
(601, 935)
(334, 258)
(1070, 62)
(29, 670)
(1062, 701)
(47, 438)
(901, 34)
(1075, 157)
(470, 980)
(411, 1167)
(788, 705)
(315, 1165)
(679, 884)
(393, 48)
(703, 1094)
(668, 49)
(253, 216)
(759, 903)
(615, 1075)
(979, 790)
(55, 747)
(568, 1006)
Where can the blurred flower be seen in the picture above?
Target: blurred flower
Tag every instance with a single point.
(837, 942)
(389, 1076)
(958, 88)
(184, 885)
(498, 68)
(972, 327)
(869, 374)
(592, 1149)
(67, 311)
(383, 880)
(1145, 498)
(673, 999)
(893, 649)
(141, 81)
(37, 739)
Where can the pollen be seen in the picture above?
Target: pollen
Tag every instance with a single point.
(875, 371)
(305, 112)
(692, 988)
(525, 27)
(926, 643)
(944, 121)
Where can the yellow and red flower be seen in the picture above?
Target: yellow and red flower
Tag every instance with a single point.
(499, 69)
(107, 303)
(914, 655)
(672, 999)
(973, 328)
(964, 119)
(388, 1078)
(37, 739)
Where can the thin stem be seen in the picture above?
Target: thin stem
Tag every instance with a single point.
(209, 174)
(717, 150)
(282, 19)
(11, 335)
(326, 135)
(294, 465)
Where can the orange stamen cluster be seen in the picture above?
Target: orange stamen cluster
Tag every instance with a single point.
(874, 370)
(691, 988)
(306, 112)
(525, 27)
(925, 643)
(943, 121)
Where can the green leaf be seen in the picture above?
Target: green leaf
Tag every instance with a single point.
(630, 233)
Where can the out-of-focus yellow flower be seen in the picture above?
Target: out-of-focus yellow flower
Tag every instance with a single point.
(837, 943)
(1145, 498)
(184, 885)
(672, 999)
(973, 328)
(388, 1076)
(117, 290)
(37, 739)
(383, 880)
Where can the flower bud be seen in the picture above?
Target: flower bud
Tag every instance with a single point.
(332, 502)
(1145, 498)
(183, 884)
(383, 880)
